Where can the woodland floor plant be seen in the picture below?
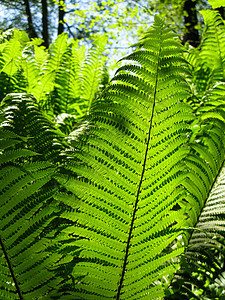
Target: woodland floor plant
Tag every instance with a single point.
(64, 79)
(131, 203)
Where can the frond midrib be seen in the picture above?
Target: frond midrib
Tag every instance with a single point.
(11, 269)
(141, 178)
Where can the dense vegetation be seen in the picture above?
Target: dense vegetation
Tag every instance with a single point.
(83, 19)
(113, 190)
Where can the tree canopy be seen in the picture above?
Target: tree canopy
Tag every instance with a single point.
(84, 19)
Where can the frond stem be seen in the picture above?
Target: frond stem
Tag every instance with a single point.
(140, 184)
(11, 269)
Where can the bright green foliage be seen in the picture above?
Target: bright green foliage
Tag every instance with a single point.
(203, 262)
(25, 118)
(26, 213)
(64, 79)
(202, 266)
(143, 114)
(204, 257)
(78, 78)
(207, 62)
(131, 204)
(216, 3)
(213, 43)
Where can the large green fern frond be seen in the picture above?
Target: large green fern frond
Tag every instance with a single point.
(140, 184)
(27, 210)
(125, 219)
(213, 44)
(203, 261)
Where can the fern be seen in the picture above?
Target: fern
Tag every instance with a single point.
(27, 209)
(207, 62)
(10, 62)
(212, 47)
(203, 259)
(63, 79)
(54, 60)
(203, 262)
(92, 72)
(202, 267)
(31, 69)
(78, 79)
(22, 116)
(130, 204)
(124, 248)
(11, 76)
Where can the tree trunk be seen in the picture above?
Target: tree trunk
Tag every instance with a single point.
(61, 17)
(45, 23)
(31, 31)
(190, 21)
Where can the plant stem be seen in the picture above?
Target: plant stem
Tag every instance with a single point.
(11, 269)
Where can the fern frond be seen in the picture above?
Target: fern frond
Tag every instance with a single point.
(27, 210)
(77, 81)
(11, 74)
(213, 45)
(41, 57)
(59, 99)
(10, 57)
(207, 62)
(128, 177)
(92, 71)
(23, 117)
(52, 65)
(77, 61)
(202, 265)
(202, 76)
(31, 69)
(203, 260)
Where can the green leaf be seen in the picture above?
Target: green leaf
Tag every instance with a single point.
(128, 180)
(216, 3)
(27, 209)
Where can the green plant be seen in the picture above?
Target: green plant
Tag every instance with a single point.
(64, 79)
(130, 205)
